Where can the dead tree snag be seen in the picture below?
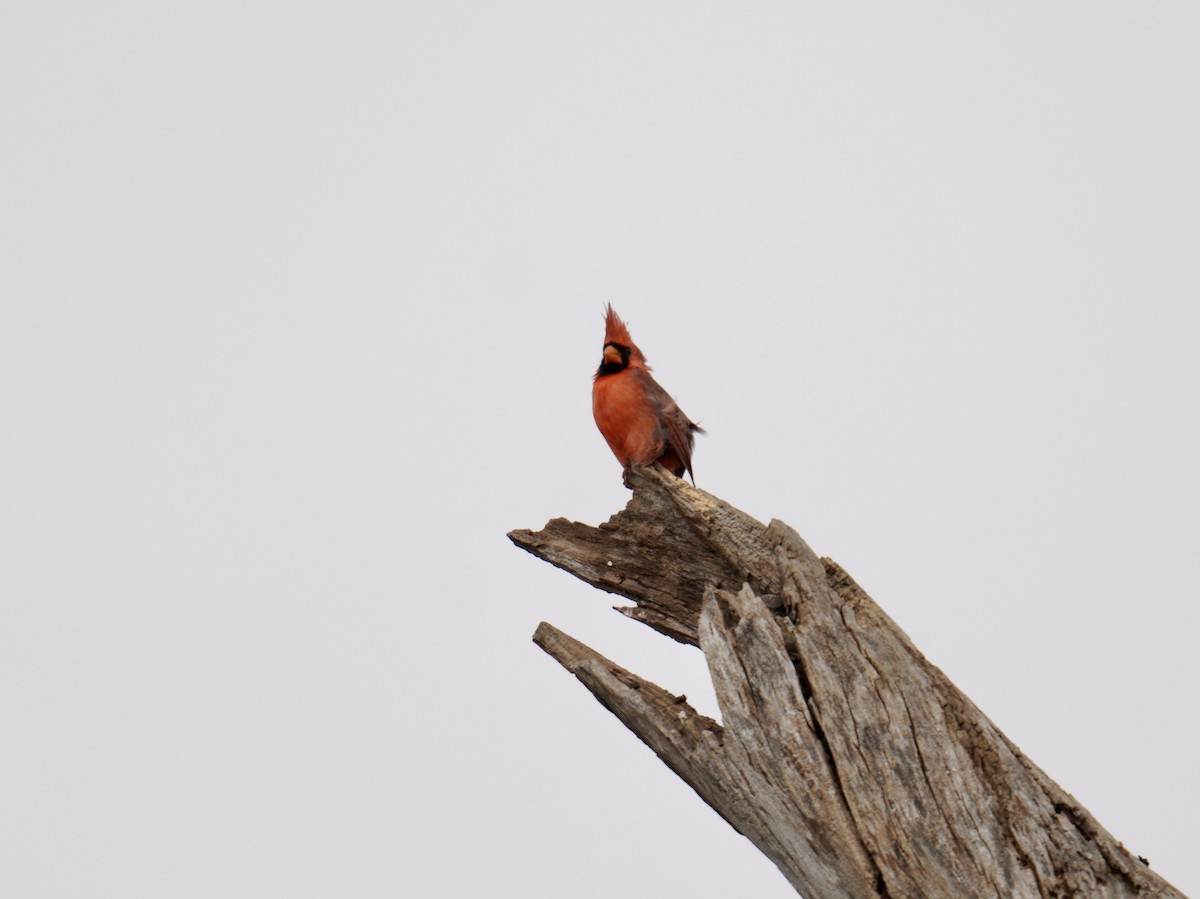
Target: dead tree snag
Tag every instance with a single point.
(853, 763)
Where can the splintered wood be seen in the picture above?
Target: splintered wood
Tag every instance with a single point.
(853, 763)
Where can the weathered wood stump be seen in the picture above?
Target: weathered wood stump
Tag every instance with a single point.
(852, 762)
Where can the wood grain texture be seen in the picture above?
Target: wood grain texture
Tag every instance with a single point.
(849, 759)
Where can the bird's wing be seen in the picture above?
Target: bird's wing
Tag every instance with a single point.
(674, 427)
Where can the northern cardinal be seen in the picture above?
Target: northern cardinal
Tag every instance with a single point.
(637, 417)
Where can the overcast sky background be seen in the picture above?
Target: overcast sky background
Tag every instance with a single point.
(299, 307)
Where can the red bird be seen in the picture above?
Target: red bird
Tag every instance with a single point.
(637, 417)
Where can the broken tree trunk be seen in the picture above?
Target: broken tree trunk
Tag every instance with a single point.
(853, 763)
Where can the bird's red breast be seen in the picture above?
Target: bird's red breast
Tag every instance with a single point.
(640, 421)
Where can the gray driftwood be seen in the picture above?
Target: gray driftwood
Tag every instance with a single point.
(853, 763)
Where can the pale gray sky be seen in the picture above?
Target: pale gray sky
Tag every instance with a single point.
(299, 306)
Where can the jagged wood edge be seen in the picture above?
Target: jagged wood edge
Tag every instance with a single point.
(674, 543)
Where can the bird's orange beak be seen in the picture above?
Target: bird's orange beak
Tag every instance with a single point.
(612, 354)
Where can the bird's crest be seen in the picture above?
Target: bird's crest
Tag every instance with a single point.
(616, 332)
